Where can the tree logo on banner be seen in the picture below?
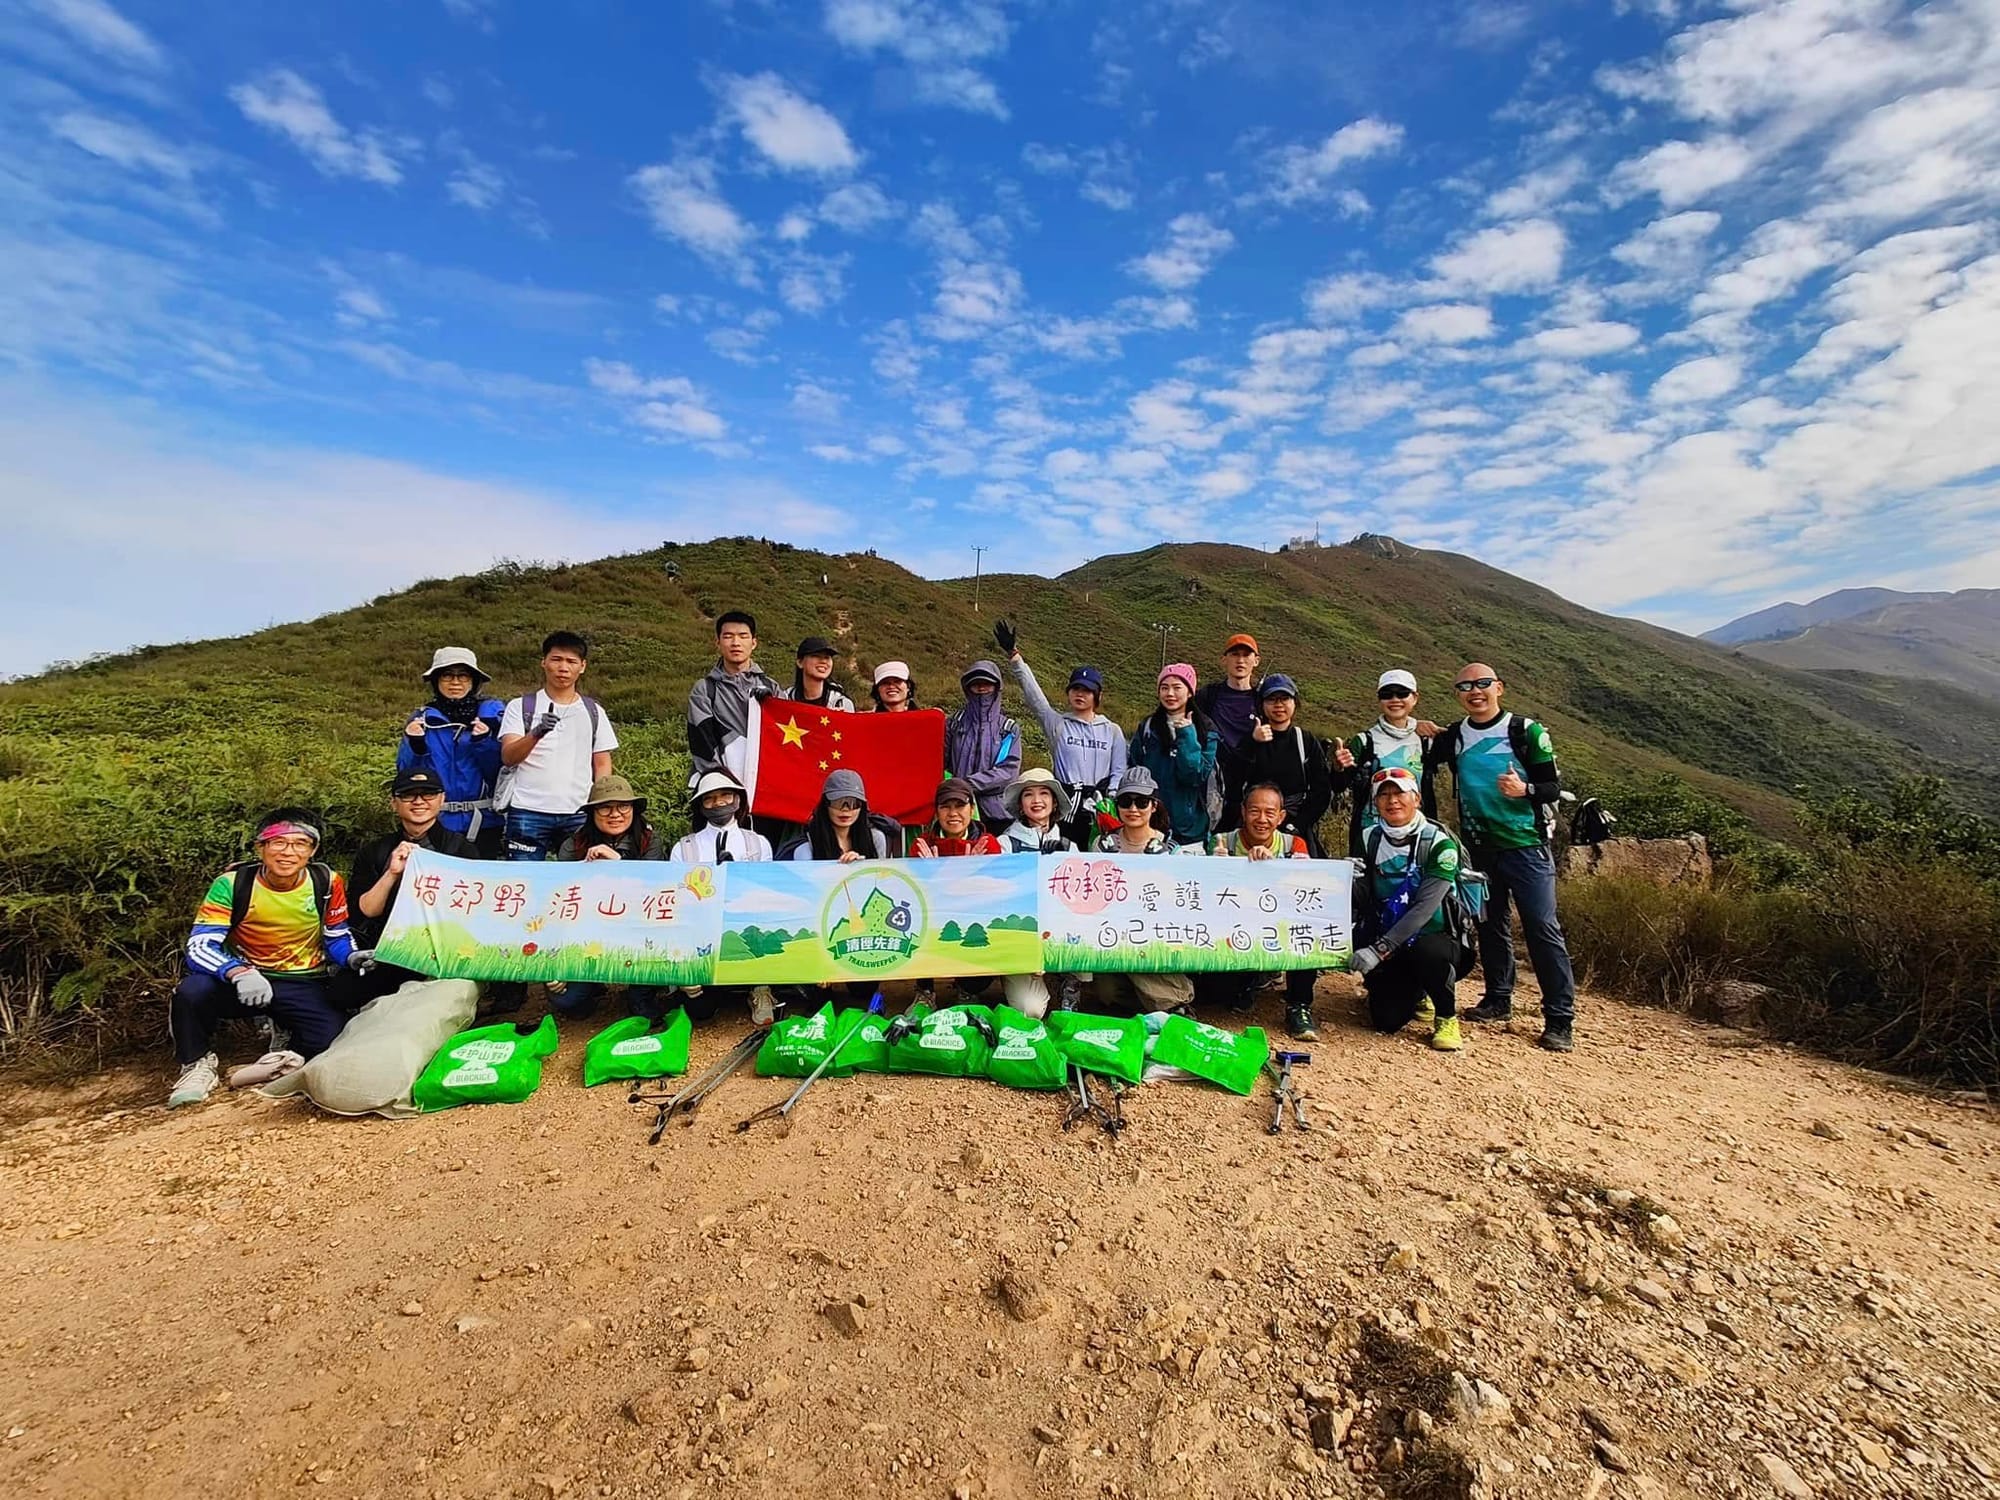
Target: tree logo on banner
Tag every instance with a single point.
(873, 921)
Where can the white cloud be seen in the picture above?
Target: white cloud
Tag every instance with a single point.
(105, 30)
(811, 284)
(742, 342)
(1701, 379)
(476, 185)
(1536, 192)
(791, 131)
(1108, 175)
(837, 453)
(667, 406)
(941, 42)
(130, 146)
(857, 207)
(1194, 243)
(1778, 257)
(1523, 257)
(1446, 323)
(1583, 340)
(813, 402)
(1347, 295)
(1298, 174)
(684, 204)
(1669, 249)
(1683, 172)
(284, 103)
(1374, 356)
(1164, 417)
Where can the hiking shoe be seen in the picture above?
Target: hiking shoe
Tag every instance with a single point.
(1070, 994)
(1445, 1036)
(1557, 1036)
(1299, 1022)
(1427, 1011)
(1486, 1011)
(763, 1009)
(197, 1081)
(1243, 1001)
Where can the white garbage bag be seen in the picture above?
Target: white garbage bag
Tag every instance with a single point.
(372, 1064)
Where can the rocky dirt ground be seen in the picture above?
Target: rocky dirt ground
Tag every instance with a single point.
(1676, 1263)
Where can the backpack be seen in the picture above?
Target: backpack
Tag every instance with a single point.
(1518, 742)
(1464, 903)
(241, 890)
(1591, 824)
(503, 784)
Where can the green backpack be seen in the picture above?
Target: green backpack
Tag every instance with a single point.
(488, 1065)
(631, 1048)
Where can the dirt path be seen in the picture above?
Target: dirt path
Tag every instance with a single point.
(1423, 1296)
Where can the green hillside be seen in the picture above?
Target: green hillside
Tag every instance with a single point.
(124, 783)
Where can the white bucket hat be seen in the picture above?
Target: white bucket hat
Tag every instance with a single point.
(456, 656)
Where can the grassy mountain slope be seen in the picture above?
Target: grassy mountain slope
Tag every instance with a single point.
(125, 783)
(1948, 638)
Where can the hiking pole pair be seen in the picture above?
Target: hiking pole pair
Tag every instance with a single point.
(783, 1112)
(688, 1098)
(1280, 1068)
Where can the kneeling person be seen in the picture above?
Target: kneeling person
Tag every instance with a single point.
(417, 797)
(1409, 963)
(265, 940)
(719, 815)
(1263, 837)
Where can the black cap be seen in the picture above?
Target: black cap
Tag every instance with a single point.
(414, 781)
(815, 645)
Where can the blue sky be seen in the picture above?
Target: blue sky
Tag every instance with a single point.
(1678, 308)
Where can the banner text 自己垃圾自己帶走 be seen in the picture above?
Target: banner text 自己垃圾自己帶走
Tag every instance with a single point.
(659, 923)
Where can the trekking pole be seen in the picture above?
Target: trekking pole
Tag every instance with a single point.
(1113, 1120)
(1280, 1067)
(783, 1112)
(1079, 1104)
(693, 1090)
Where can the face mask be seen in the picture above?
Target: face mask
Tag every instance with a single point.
(715, 817)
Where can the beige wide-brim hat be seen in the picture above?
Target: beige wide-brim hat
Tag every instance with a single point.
(611, 787)
(456, 656)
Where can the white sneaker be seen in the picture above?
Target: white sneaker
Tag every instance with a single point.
(197, 1081)
(763, 1009)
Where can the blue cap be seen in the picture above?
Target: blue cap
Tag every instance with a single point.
(1088, 677)
(1275, 686)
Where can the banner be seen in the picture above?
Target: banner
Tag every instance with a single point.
(794, 747)
(799, 922)
(1125, 913)
(612, 921)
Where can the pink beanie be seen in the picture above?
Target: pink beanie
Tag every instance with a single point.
(1181, 670)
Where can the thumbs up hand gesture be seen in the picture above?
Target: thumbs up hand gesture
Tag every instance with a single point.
(1511, 784)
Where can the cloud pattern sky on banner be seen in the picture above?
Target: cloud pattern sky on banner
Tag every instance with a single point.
(1675, 306)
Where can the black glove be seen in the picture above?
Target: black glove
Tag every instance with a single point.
(546, 724)
(1006, 635)
(762, 691)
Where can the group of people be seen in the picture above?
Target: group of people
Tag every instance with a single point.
(1217, 770)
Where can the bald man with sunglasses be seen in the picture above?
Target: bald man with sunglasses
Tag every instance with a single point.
(1503, 770)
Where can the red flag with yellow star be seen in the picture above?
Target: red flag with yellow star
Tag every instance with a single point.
(795, 746)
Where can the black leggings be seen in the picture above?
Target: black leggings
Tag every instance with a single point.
(1401, 980)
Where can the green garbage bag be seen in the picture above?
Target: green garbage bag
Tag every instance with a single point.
(947, 1042)
(1112, 1045)
(1026, 1055)
(488, 1065)
(799, 1044)
(1223, 1057)
(631, 1048)
(865, 1048)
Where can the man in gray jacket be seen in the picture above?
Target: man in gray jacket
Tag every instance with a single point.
(1088, 749)
(718, 713)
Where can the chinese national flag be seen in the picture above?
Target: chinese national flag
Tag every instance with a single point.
(900, 758)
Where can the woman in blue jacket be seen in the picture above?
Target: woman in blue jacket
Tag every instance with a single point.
(1178, 743)
(456, 736)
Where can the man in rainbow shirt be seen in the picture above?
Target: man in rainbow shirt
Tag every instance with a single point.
(266, 938)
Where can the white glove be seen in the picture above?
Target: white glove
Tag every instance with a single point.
(1365, 959)
(253, 989)
(361, 960)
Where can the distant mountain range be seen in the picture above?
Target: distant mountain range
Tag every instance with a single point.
(1950, 638)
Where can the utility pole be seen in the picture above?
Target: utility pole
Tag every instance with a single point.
(1165, 631)
(978, 555)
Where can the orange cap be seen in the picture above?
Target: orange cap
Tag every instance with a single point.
(1240, 640)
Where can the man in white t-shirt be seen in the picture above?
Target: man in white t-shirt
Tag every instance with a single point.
(553, 744)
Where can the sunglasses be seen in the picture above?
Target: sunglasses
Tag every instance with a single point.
(1135, 801)
(1469, 683)
(1395, 692)
(845, 804)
